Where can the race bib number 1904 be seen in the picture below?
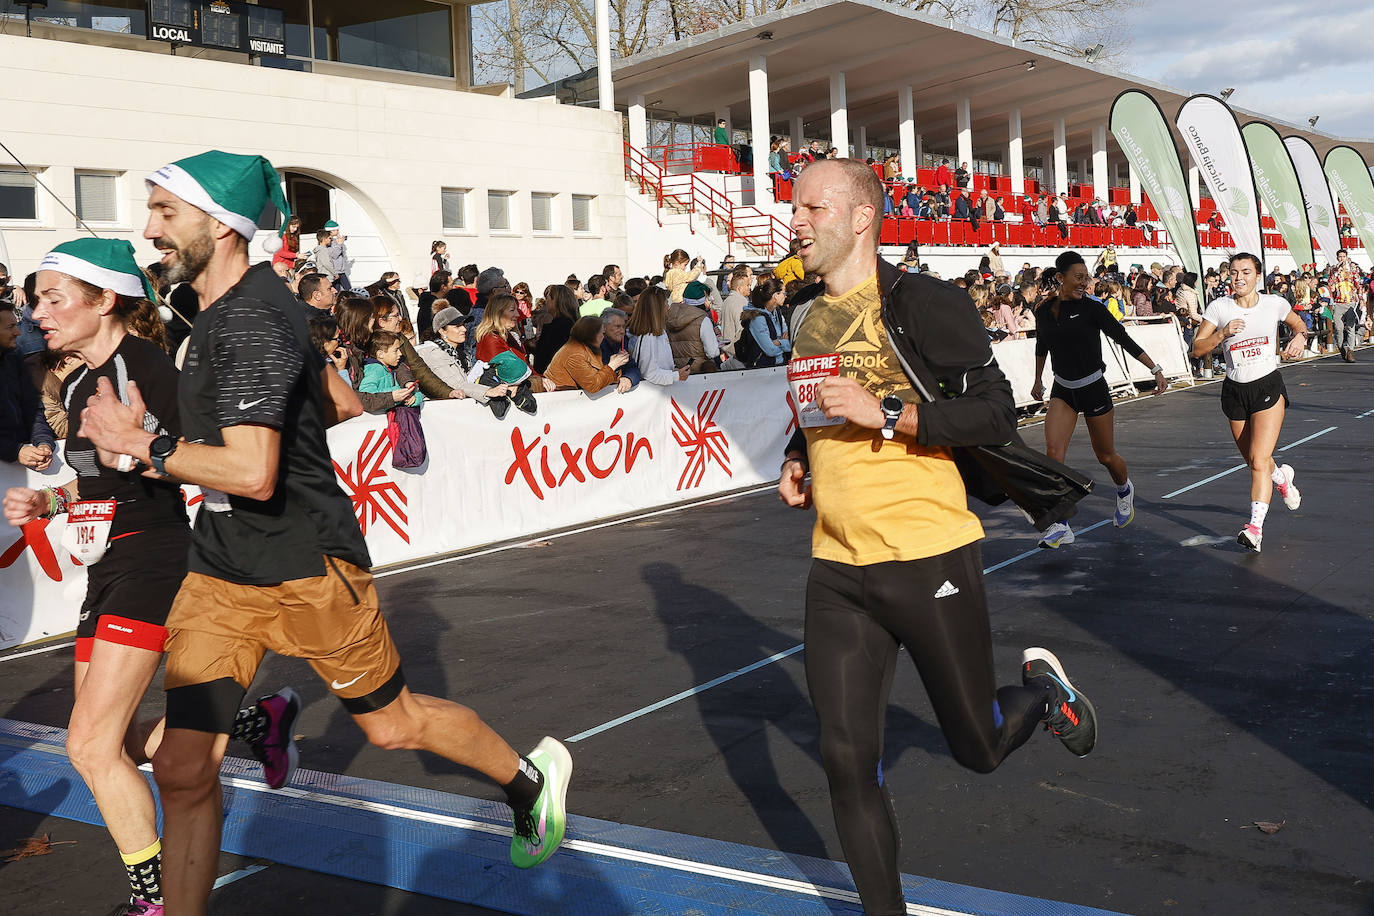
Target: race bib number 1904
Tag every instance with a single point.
(805, 375)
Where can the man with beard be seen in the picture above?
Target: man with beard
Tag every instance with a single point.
(277, 560)
(895, 547)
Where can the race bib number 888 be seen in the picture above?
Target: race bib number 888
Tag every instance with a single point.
(804, 376)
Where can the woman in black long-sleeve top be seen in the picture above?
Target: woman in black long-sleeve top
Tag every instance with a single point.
(1068, 329)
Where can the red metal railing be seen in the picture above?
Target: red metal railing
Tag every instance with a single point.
(691, 194)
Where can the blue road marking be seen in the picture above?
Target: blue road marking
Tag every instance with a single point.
(457, 848)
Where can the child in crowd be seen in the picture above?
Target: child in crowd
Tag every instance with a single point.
(385, 371)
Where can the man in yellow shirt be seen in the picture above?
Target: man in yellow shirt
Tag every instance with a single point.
(896, 549)
(790, 267)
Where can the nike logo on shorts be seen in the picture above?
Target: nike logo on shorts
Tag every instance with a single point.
(245, 405)
(337, 686)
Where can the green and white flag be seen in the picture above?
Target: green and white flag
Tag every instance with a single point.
(1316, 193)
(1212, 136)
(1349, 175)
(1277, 182)
(1145, 138)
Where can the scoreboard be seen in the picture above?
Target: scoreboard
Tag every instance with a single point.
(223, 24)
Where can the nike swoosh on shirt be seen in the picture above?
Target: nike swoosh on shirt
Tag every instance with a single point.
(245, 405)
(337, 686)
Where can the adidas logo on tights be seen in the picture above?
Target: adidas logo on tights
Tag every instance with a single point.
(946, 590)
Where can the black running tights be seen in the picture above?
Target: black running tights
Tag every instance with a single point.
(856, 617)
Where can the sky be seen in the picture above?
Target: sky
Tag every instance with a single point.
(1290, 60)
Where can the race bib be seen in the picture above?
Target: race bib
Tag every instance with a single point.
(87, 535)
(215, 500)
(1252, 351)
(804, 376)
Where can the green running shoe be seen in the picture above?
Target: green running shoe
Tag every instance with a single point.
(539, 830)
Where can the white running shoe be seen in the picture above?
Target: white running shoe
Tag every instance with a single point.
(1125, 508)
(1056, 536)
(1250, 538)
(1291, 497)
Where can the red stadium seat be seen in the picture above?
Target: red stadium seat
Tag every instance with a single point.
(906, 230)
(985, 233)
(925, 232)
(940, 233)
(887, 235)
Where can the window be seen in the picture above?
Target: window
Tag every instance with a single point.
(582, 212)
(128, 17)
(18, 196)
(96, 200)
(411, 35)
(454, 203)
(541, 211)
(498, 210)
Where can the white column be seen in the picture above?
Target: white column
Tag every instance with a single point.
(1101, 177)
(964, 120)
(1194, 188)
(906, 132)
(861, 143)
(639, 123)
(724, 113)
(1016, 164)
(758, 124)
(1134, 180)
(1061, 158)
(604, 91)
(839, 115)
(798, 135)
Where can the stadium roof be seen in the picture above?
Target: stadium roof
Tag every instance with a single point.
(881, 47)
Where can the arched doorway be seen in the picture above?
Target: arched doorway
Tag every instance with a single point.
(309, 199)
(317, 198)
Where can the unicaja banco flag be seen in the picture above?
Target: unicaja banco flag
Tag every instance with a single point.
(1350, 177)
(1321, 211)
(1145, 138)
(1277, 183)
(1212, 136)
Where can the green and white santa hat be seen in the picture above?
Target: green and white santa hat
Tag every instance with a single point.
(233, 189)
(105, 263)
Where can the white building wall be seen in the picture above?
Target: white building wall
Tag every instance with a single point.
(389, 147)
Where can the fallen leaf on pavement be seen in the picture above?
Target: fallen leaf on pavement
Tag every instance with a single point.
(1270, 827)
(33, 846)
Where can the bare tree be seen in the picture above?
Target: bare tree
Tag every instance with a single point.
(1067, 26)
(555, 38)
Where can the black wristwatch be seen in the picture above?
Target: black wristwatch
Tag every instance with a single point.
(892, 412)
(159, 450)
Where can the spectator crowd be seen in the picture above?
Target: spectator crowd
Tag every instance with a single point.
(472, 333)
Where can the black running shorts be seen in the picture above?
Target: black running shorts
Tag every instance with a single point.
(130, 591)
(1241, 400)
(1091, 400)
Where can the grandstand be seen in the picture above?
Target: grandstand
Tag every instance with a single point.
(871, 78)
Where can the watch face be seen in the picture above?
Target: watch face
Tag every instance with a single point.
(892, 404)
(162, 446)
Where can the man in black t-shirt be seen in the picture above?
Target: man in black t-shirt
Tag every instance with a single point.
(277, 561)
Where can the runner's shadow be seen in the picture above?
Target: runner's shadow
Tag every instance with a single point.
(716, 636)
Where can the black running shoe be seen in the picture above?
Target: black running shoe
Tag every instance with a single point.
(1070, 717)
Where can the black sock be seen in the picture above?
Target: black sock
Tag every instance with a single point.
(523, 791)
(250, 725)
(145, 873)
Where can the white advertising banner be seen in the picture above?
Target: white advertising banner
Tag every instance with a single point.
(1212, 135)
(580, 459)
(1316, 194)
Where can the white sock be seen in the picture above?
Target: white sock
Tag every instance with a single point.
(1258, 511)
(1125, 488)
(1278, 476)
